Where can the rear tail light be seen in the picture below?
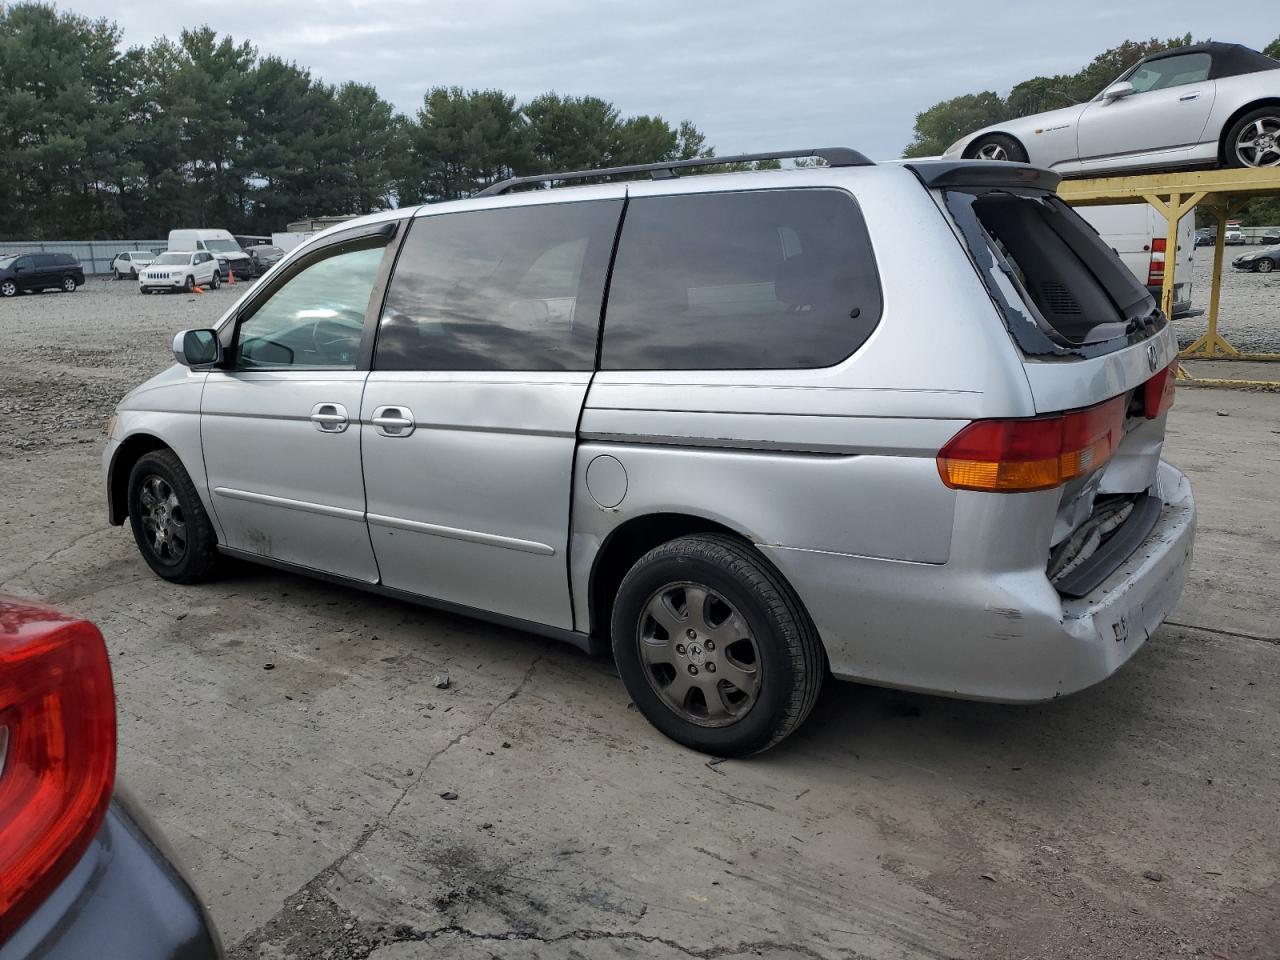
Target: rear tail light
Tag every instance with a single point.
(57, 752)
(1015, 456)
(1155, 270)
(1157, 393)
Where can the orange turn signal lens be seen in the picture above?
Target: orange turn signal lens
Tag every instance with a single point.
(1017, 456)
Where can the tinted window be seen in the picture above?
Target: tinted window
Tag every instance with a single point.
(771, 278)
(1171, 72)
(511, 289)
(44, 260)
(315, 319)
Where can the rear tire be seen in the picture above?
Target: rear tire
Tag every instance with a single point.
(741, 665)
(116, 274)
(996, 146)
(170, 525)
(1254, 139)
(68, 285)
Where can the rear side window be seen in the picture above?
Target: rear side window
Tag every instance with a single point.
(734, 281)
(1062, 287)
(512, 289)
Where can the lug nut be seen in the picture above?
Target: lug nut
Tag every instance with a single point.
(710, 645)
(680, 649)
(693, 670)
(691, 634)
(711, 668)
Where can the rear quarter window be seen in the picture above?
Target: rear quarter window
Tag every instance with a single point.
(745, 280)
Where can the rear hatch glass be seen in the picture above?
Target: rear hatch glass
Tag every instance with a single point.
(1062, 291)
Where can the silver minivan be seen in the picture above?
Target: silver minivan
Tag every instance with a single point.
(897, 423)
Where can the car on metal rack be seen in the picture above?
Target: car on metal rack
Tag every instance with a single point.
(1207, 104)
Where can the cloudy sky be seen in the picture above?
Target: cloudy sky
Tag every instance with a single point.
(752, 74)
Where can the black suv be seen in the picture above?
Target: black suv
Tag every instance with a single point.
(39, 271)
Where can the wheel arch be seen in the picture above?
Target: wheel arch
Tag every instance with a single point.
(1235, 116)
(631, 540)
(130, 451)
(968, 152)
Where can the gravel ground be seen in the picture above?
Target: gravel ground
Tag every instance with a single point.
(339, 805)
(1248, 308)
(68, 358)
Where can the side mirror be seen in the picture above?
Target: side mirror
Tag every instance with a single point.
(197, 348)
(1118, 90)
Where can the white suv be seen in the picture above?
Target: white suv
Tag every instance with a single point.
(180, 271)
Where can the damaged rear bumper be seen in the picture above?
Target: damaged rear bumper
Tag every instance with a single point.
(963, 629)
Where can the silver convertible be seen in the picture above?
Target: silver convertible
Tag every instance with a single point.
(724, 424)
(1211, 104)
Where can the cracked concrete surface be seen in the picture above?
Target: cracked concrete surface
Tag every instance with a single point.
(305, 800)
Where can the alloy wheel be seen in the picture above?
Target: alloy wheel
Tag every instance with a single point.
(1258, 144)
(69, 285)
(8, 288)
(163, 520)
(1265, 266)
(699, 654)
(992, 151)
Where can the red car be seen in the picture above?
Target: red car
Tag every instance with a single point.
(82, 872)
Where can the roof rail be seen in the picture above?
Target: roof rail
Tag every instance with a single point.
(835, 157)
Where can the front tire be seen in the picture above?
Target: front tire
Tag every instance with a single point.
(1254, 139)
(1265, 266)
(8, 289)
(996, 146)
(216, 282)
(190, 285)
(169, 522)
(714, 647)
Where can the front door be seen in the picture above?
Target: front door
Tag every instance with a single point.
(1165, 117)
(279, 426)
(485, 351)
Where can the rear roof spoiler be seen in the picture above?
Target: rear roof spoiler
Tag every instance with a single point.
(983, 173)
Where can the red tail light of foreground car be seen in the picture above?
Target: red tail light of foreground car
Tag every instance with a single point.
(57, 751)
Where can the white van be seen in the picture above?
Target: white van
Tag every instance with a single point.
(221, 244)
(1137, 232)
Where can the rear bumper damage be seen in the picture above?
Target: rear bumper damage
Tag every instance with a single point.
(963, 629)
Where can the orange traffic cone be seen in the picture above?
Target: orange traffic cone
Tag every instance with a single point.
(198, 289)
(231, 278)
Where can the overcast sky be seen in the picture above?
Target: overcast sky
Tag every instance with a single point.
(752, 74)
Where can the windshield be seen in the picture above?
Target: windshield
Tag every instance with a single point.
(173, 258)
(268, 251)
(222, 246)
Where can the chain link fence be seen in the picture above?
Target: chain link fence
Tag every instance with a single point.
(96, 255)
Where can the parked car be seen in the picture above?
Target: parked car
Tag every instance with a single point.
(1234, 236)
(1259, 261)
(1138, 234)
(783, 450)
(1206, 238)
(180, 271)
(1271, 237)
(128, 263)
(231, 258)
(85, 873)
(1208, 104)
(34, 272)
(264, 257)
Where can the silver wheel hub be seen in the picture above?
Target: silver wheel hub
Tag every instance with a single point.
(163, 521)
(1259, 143)
(699, 654)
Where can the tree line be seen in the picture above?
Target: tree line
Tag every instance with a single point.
(948, 120)
(100, 141)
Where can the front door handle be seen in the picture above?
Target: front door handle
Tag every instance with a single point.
(330, 417)
(1189, 96)
(393, 421)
